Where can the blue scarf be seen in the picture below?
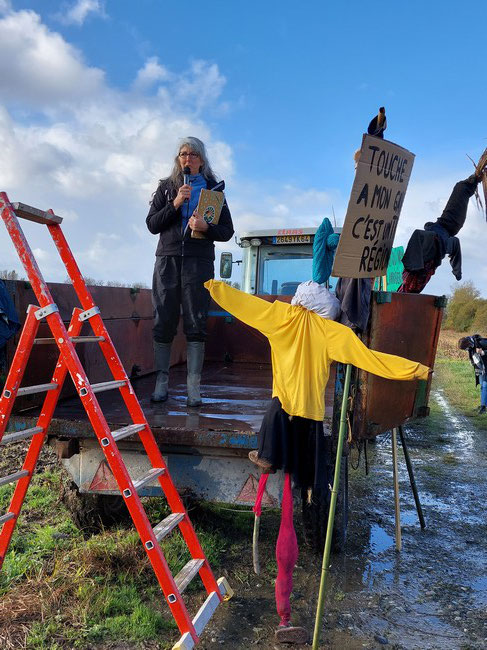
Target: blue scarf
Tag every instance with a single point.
(197, 182)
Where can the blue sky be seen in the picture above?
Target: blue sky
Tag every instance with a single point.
(94, 96)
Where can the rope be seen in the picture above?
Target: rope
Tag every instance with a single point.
(350, 441)
(359, 448)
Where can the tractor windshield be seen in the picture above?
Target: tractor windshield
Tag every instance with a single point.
(282, 268)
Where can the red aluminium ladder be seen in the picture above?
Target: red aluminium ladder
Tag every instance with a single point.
(66, 339)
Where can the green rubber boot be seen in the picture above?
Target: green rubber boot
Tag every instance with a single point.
(162, 355)
(196, 356)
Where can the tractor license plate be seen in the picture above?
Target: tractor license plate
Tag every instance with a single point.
(291, 239)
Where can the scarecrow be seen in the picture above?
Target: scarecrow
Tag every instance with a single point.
(303, 345)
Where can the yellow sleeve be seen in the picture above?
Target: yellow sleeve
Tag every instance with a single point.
(253, 311)
(345, 346)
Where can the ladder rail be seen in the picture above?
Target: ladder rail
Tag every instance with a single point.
(121, 474)
(39, 285)
(17, 369)
(70, 362)
(58, 329)
(97, 420)
(146, 436)
(37, 442)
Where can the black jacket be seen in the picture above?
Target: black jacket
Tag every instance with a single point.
(164, 220)
(429, 246)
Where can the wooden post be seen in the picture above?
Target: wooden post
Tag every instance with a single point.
(397, 511)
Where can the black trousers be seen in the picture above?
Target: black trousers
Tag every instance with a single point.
(455, 212)
(178, 283)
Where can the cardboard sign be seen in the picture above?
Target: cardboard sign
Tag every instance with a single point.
(373, 211)
(209, 207)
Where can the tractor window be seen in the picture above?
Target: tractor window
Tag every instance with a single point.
(281, 269)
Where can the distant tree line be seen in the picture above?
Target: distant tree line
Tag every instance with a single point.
(466, 310)
(5, 274)
(92, 282)
(232, 284)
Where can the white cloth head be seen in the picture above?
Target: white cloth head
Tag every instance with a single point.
(316, 297)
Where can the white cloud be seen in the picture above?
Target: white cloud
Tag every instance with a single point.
(46, 69)
(152, 72)
(92, 153)
(201, 86)
(80, 10)
(280, 210)
(96, 154)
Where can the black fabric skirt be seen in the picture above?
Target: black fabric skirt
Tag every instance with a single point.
(296, 445)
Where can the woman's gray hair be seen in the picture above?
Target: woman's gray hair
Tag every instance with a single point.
(176, 176)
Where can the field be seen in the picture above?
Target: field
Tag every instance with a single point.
(456, 377)
(62, 587)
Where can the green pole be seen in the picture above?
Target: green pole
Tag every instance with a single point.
(331, 512)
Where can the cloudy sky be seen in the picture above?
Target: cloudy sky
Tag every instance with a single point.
(94, 95)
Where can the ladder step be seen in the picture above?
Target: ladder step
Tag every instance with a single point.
(40, 388)
(34, 214)
(6, 517)
(205, 612)
(20, 435)
(185, 642)
(119, 434)
(200, 621)
(107, 385)
(14, 477)
(187, 573)
(74, 339)
(166, 525)
(147, 478)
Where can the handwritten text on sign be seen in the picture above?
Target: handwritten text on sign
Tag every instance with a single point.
(373, 211)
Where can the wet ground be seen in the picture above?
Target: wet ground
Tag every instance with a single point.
(431, 595)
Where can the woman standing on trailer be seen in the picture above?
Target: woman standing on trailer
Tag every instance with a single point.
(183, 263)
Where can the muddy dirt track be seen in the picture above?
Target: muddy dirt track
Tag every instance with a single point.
(432, 595)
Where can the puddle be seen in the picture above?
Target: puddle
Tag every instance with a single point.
(375, 570)
(480, 588)
(410, 517)
(464, 436)
(415, 598)
(379, 539)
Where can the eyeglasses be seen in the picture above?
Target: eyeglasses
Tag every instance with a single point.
(190, 154)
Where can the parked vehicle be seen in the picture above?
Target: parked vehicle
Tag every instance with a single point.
(207, 449)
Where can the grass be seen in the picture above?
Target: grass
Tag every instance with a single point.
(455, 375)
(62, 591)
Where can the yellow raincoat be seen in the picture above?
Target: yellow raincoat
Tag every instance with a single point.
(303, 345)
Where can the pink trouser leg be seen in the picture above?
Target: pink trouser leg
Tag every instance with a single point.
(286, 555)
